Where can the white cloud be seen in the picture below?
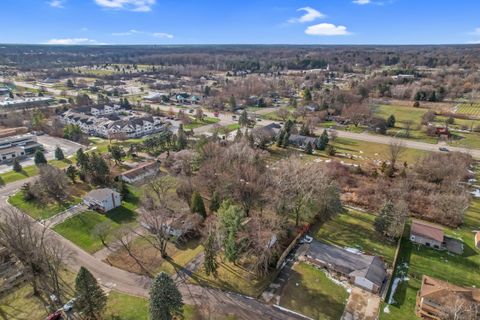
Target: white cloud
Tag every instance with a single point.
(362, 2)
(132, 5)
(327, 29)
(162, 35)
(475, 32)
(474, 42)
(309, 16)
(152, 34)
(74, 41)
(56, 3)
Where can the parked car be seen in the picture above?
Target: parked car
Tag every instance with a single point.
(306, 239)
(190, 111)
(69, 305)
(443, 149)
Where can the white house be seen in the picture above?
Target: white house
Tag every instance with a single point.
(103, 200)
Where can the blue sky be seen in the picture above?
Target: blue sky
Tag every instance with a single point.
(240, 22)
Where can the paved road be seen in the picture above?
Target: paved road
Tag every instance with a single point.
(214, 301)
(408, 143)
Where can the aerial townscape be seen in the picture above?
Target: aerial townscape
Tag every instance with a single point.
(230, 160)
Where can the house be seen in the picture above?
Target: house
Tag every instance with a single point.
(432, 236)
(156, 97)
(18, 146)
(438, 300)
(4, 91)
(103, 200)
(365, 271)
(141, 172)
(443, 132)
(477, 240)
(26, 102)
(300, 141)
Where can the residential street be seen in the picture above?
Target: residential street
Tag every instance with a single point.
(213, 300)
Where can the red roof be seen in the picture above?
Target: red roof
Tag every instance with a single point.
(427, 230)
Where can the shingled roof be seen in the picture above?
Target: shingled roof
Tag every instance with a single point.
(427, 230)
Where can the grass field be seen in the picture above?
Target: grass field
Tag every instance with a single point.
(29, 171)
(311, 293)
(40, 212)
(459, 270)
(469, 108)
(196, 123)
(79, 229)
(355, 229)
(234, 278)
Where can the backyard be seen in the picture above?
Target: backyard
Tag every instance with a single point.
(310, 292)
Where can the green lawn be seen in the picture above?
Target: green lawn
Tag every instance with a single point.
(311, 293)
(79, 228)
(233, 278)
(355, 229)
(29, 171)
(460, 270)
(196, 123)
(40, 212)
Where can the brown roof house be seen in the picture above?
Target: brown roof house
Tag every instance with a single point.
(432, 236)
(148, 169)
(440, 300)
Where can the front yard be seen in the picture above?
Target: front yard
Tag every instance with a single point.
(40, 211)
(310, 292)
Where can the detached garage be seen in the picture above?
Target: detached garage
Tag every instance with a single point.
(364, 271)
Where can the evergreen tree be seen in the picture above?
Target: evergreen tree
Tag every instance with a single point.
(116, 152)
(215, 202)
(210, 261)
(307, 95)
(304, 131)
(322, 142)
(309, 148)
(231, 247)
(286, 139)
(391, 121)
(197, 205)
(71, 173)
(59, 153)
(91, 300)
(280, 138)
(238, 135)
(230, 219)
(17, 167)
(182, 141)
(39, 158)
(232, 103)
(384, 218)
(165, 299)
(243, 120)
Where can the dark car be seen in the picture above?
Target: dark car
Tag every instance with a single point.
(443, 149)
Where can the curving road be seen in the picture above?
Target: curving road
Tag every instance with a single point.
(212, 301)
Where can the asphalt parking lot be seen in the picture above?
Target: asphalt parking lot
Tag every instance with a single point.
(49, 144)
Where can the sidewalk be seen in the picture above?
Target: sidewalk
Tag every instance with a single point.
(63, 216)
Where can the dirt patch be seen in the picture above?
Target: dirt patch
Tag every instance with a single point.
(361, 305)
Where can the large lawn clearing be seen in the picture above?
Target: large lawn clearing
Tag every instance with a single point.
(310, 292)
(459, 270)
(200, 123)
(355, 229)
(30, 171)
(79, 228)
(40, 211)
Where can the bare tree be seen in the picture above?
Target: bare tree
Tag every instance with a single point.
(124, 237)
(396, 149)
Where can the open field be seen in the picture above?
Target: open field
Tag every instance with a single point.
(234, 278)
(310, 292)
(29, 171)
(459, 270)
(355, 229)
(40, 212)
(78, 229)
(469, 108)
(196, 123)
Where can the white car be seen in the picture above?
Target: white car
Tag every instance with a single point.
(69, 305)
(306, 239)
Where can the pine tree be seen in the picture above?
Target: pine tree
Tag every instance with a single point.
(39, 158)
(238, 135)
(286, 140)
(182, 141)
(280, 138)
(391, 121)
(243, 120)
(210, 261)
(165, 299)
(383, 219)
(197, 205)
(232, 103)
(71, 173)
(17, 167)
(309, 148)
(215, 202)
(59, 153)
(91, 300)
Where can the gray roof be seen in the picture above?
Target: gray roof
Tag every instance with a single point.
(348, 263)
(101, 194)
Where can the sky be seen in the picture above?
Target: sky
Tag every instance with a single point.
(67, 22)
